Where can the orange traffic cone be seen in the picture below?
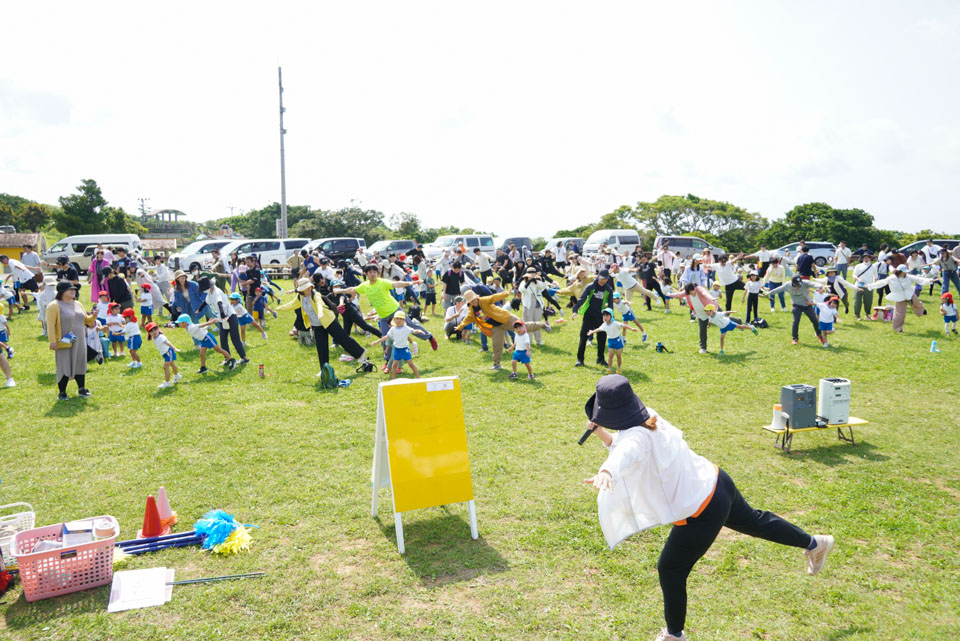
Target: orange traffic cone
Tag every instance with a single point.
(167, 516)
(151, 521)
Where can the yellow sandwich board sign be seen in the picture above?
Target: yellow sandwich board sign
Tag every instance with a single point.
(421, 448)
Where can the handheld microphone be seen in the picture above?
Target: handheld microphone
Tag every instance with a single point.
(586, 435)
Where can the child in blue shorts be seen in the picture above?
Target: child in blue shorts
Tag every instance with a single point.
(613, 331)
(167, 351)
(720, 319)
(399, 333)
(828, 314)
(260, 305)
(521, 349)
(949, 312)
(131, 333)
(114, 327)
(146, 305)
(627, 315)
(202, 339)
(244, 318)
(5, 335)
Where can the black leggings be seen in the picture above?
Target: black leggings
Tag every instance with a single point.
(728, 293)
(233, 333)
(321, 338)
(80, 378)
(655, 286)
(352, 317)
(687, 543)
(592, 322)
(753, 300)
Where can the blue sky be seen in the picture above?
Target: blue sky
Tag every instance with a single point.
(518, 118)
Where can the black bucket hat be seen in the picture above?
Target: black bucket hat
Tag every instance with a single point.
(614, 405)
(796, 281)
(604, 274)
(203, 284)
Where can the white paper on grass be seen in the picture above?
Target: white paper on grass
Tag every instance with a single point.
(134, 589)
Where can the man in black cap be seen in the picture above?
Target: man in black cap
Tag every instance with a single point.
(595, 297)
(66, 271)
(646, 455)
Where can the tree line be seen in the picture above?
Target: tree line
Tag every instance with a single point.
(724, 224)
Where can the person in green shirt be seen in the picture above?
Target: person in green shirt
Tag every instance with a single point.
(377, 291)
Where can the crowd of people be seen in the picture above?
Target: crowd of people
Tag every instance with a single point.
(507, 298)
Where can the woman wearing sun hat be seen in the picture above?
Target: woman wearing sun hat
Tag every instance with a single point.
(318, 312)
(902, 292)
(66, 330)
(651, 477)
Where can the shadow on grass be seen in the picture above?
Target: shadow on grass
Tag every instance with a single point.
(21, 614)
(440, 551)
(727, 357)
(71, 407)
(838, 453)
(849, 631)
(47, 379)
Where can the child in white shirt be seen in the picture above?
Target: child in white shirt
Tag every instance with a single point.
(204, 339)
(103, 308)
(751, 293)
(131, 333)
(167, 351)
(10, 296)
(5, 336)
(949, 312)
(718, 318)
(521, 349)
(828, 315)
(399, 333)
(146, 305)
(244, 318)
(615, 343)
(114, 326)
(625, 309)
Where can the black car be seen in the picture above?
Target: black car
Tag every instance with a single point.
(337, 248)
(517, 241)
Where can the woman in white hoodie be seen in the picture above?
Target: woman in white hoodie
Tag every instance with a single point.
(651, 477)
(903, 290)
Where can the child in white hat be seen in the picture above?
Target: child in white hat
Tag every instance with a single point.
(399, 333)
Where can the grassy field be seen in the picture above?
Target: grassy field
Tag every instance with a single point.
(295, 460)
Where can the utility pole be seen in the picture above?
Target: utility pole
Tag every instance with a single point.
(282, 232)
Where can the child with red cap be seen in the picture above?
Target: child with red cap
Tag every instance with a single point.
(146, 305)
(949, 312)
(114, 325)
(167, 351)
(131, 332)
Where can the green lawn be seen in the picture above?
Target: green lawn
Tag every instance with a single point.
(296, 461)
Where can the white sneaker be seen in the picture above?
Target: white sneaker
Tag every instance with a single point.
(132, 364)
(817, 557)
(165, 385)
(11, 382)
(703, 351)
(666, 636)
(177, 377)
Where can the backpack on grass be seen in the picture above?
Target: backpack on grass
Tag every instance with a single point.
(328, 378)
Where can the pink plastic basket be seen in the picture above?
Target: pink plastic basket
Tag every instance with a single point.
(66, 570)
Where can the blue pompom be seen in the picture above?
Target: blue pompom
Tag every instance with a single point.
(216, 525)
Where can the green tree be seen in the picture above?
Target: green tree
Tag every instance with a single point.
(15, 202)
(118, 221)
(348, 222)
(7, 214)
(82, 213)
(732, 227)
(32, 217)
(821, 222)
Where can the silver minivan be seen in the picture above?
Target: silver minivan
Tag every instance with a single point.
(272, 251)
(619, 240)
(686, 246)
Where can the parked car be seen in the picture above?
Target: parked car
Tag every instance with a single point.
(73, 247)
(337, 248)
(387, 247)
(503, 242)
(945, 243)
(686, 246)
(469, 241)
(620, 240)
(821, 252)
(272, 251)
(195, 255)
(571, 244)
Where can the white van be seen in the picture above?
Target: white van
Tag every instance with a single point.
(620, 240)
(484, 241)
(195, 255)
(569, 243)
(72, 246)
(272, 251)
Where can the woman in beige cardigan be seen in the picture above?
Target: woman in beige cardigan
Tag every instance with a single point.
(66, 316)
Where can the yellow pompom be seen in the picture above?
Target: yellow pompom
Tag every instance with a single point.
(238, 541)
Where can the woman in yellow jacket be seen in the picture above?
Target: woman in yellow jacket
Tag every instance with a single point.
(493, 321)
(575, 288)
(66, 328)
(319, 314)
